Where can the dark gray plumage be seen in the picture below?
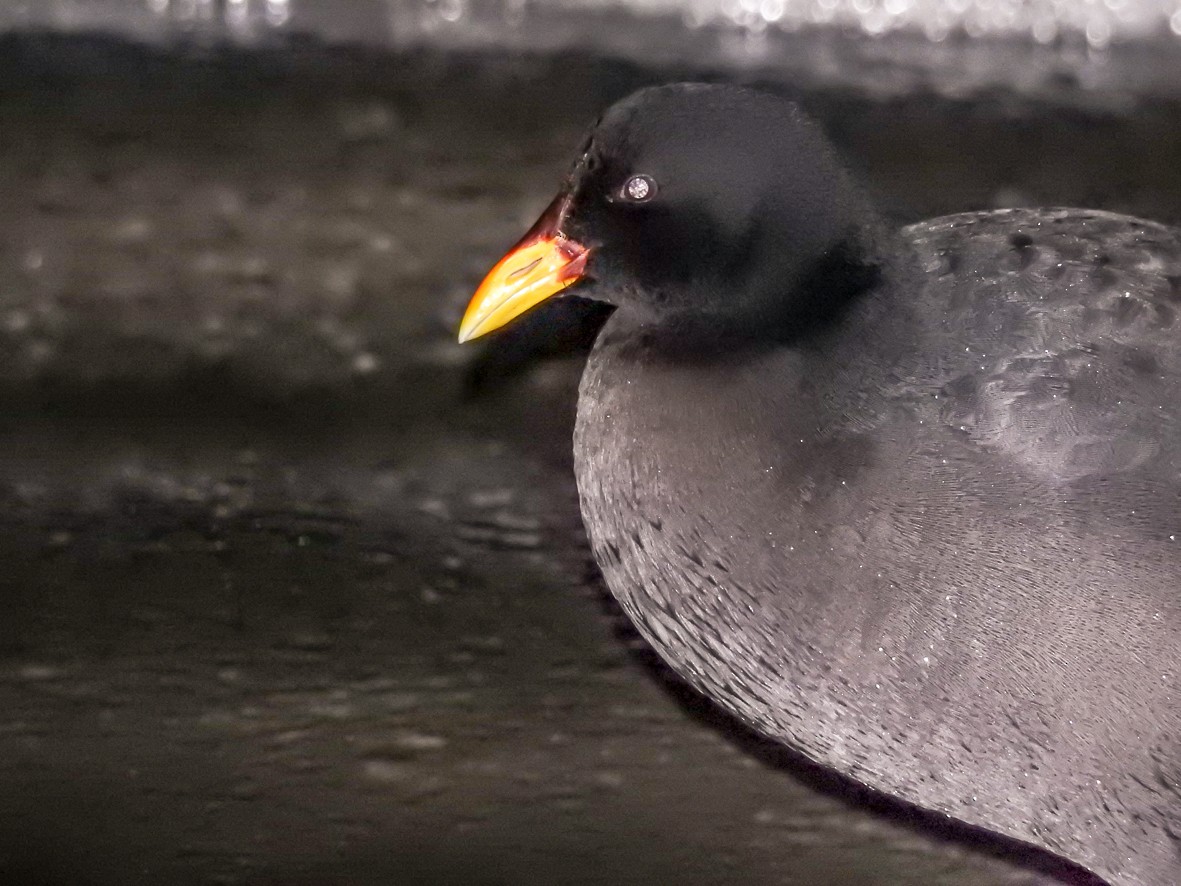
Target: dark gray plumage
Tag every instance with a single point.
(939, 548)
(909, 502)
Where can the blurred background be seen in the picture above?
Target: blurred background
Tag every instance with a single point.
(294, 588)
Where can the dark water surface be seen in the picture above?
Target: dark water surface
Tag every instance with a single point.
(295, 589)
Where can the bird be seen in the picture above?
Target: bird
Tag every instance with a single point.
(906, 500)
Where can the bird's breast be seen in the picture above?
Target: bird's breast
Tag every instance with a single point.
(732, 532)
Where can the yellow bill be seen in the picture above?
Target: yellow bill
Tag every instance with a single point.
(541, 265)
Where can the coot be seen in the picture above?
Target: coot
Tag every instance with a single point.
(908, 501)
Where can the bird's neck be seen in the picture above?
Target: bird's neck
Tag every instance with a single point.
(847, 288)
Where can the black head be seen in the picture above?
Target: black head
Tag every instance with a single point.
(692, 201)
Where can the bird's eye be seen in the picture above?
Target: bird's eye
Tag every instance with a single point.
(638, 189)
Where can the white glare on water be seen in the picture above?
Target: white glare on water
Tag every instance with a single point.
(1096, 23)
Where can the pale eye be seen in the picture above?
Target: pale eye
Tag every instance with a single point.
(638, 189)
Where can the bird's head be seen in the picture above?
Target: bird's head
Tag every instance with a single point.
(690, 201)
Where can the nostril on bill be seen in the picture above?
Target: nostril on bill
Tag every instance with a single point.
(525, 269)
